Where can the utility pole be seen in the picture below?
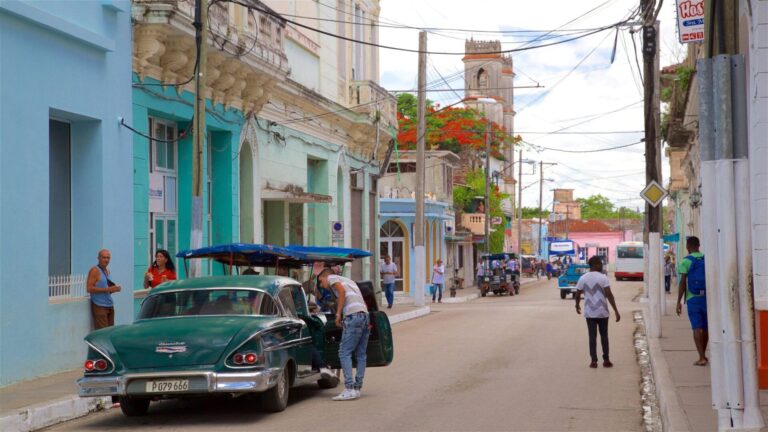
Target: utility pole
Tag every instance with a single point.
(519, 202)
(541, 198)
(198, 134)
(651, 111)
(487, 185)
(420, 274)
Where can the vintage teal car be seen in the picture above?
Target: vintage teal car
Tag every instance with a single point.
(567, 282)
(227, 335)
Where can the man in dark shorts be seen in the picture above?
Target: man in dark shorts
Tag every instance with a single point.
(693, 286)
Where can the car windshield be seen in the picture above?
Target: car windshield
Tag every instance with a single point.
(580, 270)
(216, 301)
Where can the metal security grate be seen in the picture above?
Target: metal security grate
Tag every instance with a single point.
(63, 287)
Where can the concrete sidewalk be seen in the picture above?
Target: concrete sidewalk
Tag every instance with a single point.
(42, 402)
(684, 392)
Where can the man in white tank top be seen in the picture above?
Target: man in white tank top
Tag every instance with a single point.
(352, 317)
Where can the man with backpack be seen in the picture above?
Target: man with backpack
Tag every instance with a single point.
(693, 285)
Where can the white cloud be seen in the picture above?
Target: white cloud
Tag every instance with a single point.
(597, 86)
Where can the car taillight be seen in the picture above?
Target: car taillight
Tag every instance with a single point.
(95, 365)
(89, 365)
(246, 359)
(100, 365)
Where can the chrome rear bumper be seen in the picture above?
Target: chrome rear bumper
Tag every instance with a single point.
(234, 382)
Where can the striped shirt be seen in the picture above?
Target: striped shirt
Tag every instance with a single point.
(353, 298)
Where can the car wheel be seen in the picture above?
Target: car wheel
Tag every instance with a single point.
(329, 383)
(563, 294)
(132, 407)
(276, 398)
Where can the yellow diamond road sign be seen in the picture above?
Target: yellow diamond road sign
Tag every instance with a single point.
(653, 193)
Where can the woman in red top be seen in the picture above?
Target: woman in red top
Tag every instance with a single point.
(162, 270)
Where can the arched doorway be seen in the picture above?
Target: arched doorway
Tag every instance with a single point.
(246, 195)
(393, 242)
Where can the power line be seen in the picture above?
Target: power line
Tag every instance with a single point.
(362, 42)
(540, 148)
(579, 132)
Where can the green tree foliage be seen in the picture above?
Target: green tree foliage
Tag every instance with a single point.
(533, 213)
(600, 207)
(467, 198)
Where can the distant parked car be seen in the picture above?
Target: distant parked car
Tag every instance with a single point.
(567, 282)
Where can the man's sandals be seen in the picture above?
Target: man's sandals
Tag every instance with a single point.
(701, 362)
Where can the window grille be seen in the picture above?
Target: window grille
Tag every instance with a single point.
(65, 287)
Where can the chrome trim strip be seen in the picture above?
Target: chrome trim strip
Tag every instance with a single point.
(103, 354)
(288, 344)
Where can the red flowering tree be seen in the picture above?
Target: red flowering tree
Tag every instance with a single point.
(454, 129)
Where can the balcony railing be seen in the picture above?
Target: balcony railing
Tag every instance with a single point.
(474, 222)
(66, 287)
(369, 97)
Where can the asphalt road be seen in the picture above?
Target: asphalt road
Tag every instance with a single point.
(493, 364)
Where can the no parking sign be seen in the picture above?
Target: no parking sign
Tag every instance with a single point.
(337, 230)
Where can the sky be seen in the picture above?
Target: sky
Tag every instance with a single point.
(583, 91)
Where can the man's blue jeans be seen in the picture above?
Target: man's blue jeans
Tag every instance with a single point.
(437, 288)
(354, 339)
(389, 292)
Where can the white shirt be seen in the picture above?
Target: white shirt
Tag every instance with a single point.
(388, 268)
(353, 298)
(593, 284)
(438, 274)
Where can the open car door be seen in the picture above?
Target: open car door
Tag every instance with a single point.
(380, 345)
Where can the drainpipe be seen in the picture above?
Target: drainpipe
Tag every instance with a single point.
(708, 228)
(753, 418)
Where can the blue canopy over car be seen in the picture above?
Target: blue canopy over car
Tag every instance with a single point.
(266, 255)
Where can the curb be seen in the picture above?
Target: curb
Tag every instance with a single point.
(673, 418)
(462, 299)
(50, 413)
(405, 316)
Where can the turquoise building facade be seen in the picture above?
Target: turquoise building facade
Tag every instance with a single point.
(65, 175)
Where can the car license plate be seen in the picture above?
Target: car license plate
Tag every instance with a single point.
(168, 386)
(572, 284)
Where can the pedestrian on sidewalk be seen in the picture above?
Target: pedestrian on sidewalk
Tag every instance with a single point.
(693, 286)
(389, 272)
(100, 287)
(162, 270)
(438, 280)
(352, 317)
(669, 268)
(597, 294)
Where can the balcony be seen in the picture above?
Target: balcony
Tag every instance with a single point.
(368, 98)
(246, 54)
(474, 222)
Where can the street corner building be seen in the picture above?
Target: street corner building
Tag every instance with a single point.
(65, 175)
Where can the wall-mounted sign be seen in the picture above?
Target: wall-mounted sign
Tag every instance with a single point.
(156, 193)
(690, 20)
(496, 220)
(337, 230)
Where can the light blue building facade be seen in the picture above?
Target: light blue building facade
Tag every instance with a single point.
(65, 175)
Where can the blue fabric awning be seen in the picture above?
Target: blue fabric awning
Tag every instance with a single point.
(265, 255)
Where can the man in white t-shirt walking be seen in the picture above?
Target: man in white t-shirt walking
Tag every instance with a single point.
(438, 280)
(597, 295)
(389, 272)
